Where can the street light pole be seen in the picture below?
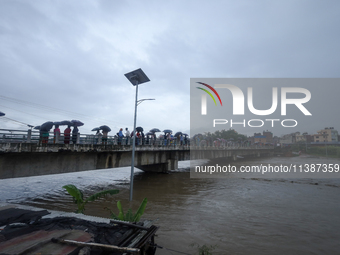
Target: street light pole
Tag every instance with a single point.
(142, 100)
(133, 145)
(135, 77)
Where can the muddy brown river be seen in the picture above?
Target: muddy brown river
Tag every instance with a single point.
(236, 215)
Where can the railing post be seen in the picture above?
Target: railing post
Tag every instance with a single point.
(29, 135)
(57, 135)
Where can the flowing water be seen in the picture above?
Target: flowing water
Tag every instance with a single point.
(236, 215)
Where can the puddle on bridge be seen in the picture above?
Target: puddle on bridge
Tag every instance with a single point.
(240, 216)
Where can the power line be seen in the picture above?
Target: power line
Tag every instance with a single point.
(22, 111)
(44, 107)
(22, 123)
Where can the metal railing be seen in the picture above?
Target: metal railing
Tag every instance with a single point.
(33, 136)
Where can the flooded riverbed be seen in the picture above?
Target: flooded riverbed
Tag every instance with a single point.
(239, 216)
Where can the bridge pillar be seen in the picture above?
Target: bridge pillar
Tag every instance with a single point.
(172, 164)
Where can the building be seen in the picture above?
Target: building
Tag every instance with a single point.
(269, 136)
(289, 138)
(303, 138)
(260, 139)
(329, 134)
(266, 137)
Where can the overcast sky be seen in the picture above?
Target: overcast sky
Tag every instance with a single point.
(63, 60)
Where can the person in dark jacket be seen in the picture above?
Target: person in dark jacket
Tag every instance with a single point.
(75, 134)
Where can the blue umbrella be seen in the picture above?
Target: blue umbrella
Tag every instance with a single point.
(105, 128)
(46, 126)
(2, 114)
(77, 123)
(66, 123)
(167, 131)
(178, 134)
(155, 130)
(57, 123)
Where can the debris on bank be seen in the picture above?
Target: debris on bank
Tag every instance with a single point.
(32, 231)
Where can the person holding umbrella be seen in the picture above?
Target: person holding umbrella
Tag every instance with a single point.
(75, 134)
(104, 138)
(98, 137)
(44, 136)
(56, 132)
(137, 137)
(106, 130)
(67, 134)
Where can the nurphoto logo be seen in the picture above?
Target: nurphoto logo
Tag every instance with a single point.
(238, 104)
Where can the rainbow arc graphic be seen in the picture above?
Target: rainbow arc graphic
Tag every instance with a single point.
(209, 93)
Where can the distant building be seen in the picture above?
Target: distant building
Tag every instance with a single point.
(266, 137)
(326, 135)
(304, 137)
(289, 138)
(276, 140)
(269, 136)
(260, 139)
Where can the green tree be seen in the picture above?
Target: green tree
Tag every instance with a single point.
(226, 134)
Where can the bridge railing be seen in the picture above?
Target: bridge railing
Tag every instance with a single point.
(33, 136)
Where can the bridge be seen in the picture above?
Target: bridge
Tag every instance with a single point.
(23, 156)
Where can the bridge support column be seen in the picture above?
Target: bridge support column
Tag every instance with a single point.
(160, 168)
(172, 164)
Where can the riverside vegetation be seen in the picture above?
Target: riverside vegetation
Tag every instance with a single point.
(79, 200)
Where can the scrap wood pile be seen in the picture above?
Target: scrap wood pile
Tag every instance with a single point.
(26, 232)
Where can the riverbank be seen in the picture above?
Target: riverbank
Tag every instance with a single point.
(238, 215)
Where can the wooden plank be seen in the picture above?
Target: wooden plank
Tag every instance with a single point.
(39, 242)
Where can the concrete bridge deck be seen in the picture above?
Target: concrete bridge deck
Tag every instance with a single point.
(32, 159)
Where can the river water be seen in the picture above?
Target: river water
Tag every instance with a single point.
(236, 215)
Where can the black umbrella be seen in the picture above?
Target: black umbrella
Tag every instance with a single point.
(105, 128)
(139, 129)
(155, 130)
(46, 126)
(185, 134)
(178, 134)
(2, 114)
(96, 129)
(66, 123)
(57, 123)
(149, 133)
(77, 123)
(37, 127)
(167, 131)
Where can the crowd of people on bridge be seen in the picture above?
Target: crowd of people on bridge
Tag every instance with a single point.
(72, 136)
